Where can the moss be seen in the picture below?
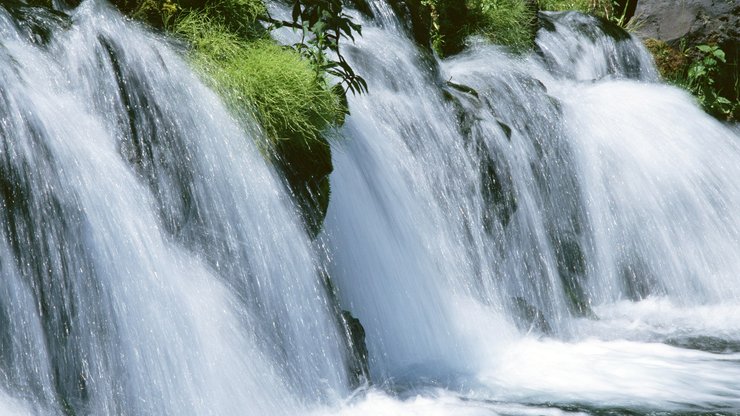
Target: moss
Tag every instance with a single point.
(240, 16)
(583, 6)
(671, 63)
(510, 23)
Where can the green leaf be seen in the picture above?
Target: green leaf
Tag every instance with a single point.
(720, 54)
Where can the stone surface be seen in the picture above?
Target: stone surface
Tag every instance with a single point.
(670, 20)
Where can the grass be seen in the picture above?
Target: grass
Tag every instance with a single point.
(506, 22)
(290, 100)
(583, 6)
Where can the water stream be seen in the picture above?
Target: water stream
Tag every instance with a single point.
(541, 234)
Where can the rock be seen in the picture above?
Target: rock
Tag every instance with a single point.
(307, 171)
(36, 20)
(572, 271)
(358, 364)
(463, 88)
(669, 20)
(530, 317)
(689, 23)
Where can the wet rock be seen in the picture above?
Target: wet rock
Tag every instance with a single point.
(36, 21)
(463, 88)
(572, 271)
(307, 171)
(706, 343)
(358, 364)
(530, 317)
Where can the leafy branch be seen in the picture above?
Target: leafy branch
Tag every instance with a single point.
(323, 24)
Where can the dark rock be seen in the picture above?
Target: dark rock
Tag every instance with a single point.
(358, 365)
(706, 343)
(530, 317)
(505, 127)
(498, 197)
(452, 20)
(307, 172)
(544, 22)
(417, 16)
(572, 271)
(36, 21)
(362, 6)
(463, 88)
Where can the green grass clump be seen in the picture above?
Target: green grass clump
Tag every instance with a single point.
(506, 22)
(583, 6)
(290, 99)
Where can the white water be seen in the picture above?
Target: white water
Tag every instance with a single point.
(160, 268)
(563, 241)
(604, 164)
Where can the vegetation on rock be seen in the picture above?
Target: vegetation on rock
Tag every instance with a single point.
(296, 93)
(697, 70)
(511, 23)
(445, 24)
(289, 100)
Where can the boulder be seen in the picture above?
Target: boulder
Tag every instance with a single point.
(697, 20)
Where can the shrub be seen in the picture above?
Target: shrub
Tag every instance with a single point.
(701, 81)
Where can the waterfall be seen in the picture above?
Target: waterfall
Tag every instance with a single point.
(545, 233)
(555, 227)
(152, 262)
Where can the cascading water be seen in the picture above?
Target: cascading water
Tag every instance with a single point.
(541, 234)
(151, 261)
(555, 242)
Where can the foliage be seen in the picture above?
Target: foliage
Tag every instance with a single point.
(583, 6)
(671, 63)
(286, 89)
(701, 79)
(451, 22)
(615, 11)
(696, 70)
(510, 23)
(289, 97)
(323, 24)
